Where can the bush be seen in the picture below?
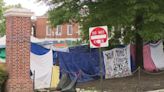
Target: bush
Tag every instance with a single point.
(3, 76)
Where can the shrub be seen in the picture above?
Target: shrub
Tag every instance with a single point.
(3, 76)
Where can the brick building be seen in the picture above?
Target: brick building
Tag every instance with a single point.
(66, 31)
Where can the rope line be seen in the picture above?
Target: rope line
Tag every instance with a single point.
(98, 74)
(152, 73)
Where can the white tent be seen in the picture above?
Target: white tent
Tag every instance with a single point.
(3, 41)
(36, 40)
(33, 39)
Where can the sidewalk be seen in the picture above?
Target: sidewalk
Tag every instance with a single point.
(160, 90)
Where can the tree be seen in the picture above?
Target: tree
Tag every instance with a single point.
(141, 20)
(2, 18)
(2, 21)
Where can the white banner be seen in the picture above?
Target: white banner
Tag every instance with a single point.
(117, 62)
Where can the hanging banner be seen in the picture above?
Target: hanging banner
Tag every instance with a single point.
(117, 62)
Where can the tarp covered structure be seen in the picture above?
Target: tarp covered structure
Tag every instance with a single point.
(157, 54)
(39, 50)
(82, 49)
(147, 59)
(85, 63)
(41, 68)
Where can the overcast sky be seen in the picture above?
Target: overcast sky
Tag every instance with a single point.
(38, 8)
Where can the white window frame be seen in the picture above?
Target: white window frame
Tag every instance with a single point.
(57, 30)
(79, 29)
(69, 29)
(48, 30)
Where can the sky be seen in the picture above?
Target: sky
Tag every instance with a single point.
(38, 8)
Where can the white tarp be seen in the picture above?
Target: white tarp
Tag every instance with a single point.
(3, 41)
(36, 40)
(65, 49)
(2, 60)
(42, 65)
(157, 55)
(117, 62)
(33, 39)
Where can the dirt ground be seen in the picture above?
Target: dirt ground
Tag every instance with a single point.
(140, 81)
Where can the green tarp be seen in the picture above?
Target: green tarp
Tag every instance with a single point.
(2, 55)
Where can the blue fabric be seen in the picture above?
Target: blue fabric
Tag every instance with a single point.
(86, 63)
(133, 65)
(82, 49)
(39, 50)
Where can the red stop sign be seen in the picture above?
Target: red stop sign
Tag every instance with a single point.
(98, 36)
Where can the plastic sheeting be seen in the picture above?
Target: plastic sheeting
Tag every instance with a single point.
(117, 62)
(148, 62)
(42, 65)
(157, 55)
(85, 63)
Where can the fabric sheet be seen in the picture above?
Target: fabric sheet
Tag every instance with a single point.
(157, 55)
(39, 50)
(117, 62)
(55, 76)
(148, 62)
(42, 65)
(86, 63)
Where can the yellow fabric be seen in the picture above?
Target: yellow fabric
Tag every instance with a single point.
(55, 76)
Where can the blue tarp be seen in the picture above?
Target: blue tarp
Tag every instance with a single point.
(39, 50)
(82, 49)
(86, 63)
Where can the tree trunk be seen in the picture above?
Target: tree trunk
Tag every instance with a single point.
(139, 41)
(139, 50)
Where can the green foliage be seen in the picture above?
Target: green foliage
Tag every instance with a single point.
(3, 76)
(2, 20)
(65, 12)
(147, 17)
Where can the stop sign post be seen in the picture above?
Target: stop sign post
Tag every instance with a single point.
(98, 37)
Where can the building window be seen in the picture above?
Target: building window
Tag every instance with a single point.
(79, 29)
(48, 30)
(58, 30)
(69, 29)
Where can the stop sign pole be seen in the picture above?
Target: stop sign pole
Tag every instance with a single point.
(98, 37)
